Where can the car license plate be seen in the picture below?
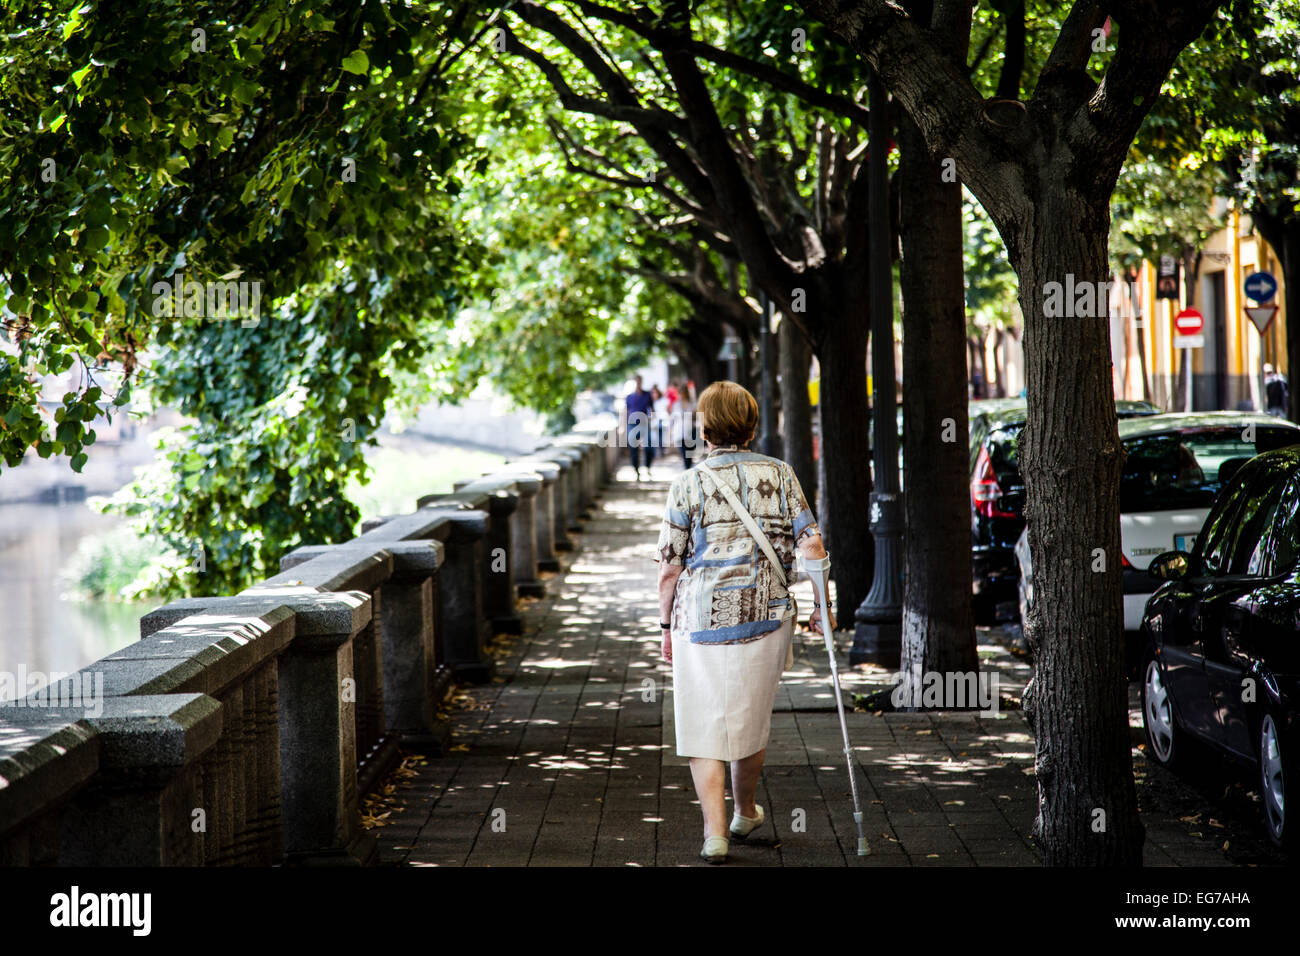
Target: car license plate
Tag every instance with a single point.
(1184, 542)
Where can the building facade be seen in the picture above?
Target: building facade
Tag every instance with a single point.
(1227, 369)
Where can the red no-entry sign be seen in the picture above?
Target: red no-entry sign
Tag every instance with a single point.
(1189, 322)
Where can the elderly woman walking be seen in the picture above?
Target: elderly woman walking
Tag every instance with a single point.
(727, 617)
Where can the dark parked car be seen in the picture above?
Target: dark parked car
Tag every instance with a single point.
(1222, 664)
(1174, 466)
(998, 501)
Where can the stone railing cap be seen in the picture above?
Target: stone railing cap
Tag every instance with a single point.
(169, 730)
(418, 526)
(353, 566)
(549, 470)
(315, 612)
(461, 523)
(45, 756)
(417, 557)
(528, 483)
(335, 613)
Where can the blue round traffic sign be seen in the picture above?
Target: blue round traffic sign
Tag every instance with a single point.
(1260, 286)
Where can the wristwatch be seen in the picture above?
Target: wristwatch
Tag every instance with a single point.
(665, 627)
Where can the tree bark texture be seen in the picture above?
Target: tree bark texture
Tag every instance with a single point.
(846, 449)
(1044, 170)
(938, 623)
(1291, 275)
(1284, 236)
(794, 356)
(1071, 458)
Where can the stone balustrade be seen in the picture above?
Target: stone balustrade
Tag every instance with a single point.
(243, 729)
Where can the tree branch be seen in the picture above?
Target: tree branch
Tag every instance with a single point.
(660, 130)
(626, 112)
(666, 39)
(1063, 82)
(1013, 52)
(931, 85)
(767, 265)
(1150, 39)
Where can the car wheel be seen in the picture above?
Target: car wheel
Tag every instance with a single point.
(1274, 764)
(1165, 740)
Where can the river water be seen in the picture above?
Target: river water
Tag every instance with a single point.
(42, 633)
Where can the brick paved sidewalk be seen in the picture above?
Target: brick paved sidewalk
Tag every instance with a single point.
(567, 757)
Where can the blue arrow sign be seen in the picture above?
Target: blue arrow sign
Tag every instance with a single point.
(1260, 286)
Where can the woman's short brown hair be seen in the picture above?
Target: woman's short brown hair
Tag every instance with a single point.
(728, 414)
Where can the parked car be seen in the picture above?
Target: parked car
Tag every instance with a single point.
(997, 506)
(982, 410)
(1222, 655)
(1175, 465)
(998, 500)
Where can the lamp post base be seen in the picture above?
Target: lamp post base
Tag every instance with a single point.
(877, 642)
(878, 621)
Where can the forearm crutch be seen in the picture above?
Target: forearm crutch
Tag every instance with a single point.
(818, 570)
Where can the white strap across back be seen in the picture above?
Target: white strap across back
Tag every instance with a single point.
(748, 521)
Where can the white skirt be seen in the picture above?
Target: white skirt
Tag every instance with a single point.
(723, 693)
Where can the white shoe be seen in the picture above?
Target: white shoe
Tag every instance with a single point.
(715, 850)
(743, 826)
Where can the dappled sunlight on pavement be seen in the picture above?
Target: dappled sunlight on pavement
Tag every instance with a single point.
(568, 757)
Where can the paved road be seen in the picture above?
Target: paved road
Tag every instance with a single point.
(567, 757)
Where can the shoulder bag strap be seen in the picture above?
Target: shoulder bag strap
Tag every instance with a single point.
(748, 520)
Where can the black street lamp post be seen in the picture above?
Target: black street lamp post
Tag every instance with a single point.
(768, 439)
(878, 629)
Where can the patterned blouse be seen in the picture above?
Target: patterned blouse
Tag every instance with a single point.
(729, 592)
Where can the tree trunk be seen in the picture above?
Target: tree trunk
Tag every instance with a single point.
(972, 366)
(745, 365)
(998, 371)
(1191, 264)
(698, 368)
(1290, 258)
(1071, 459)
(1142, 366)
(1140, 334)
(796, 413)
(846, 414)
(982, 356)
(1046, 180)
(700, 339)
(819, 463)
(938, 625)
(1284, 236)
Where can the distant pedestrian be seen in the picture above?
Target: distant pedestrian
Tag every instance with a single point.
(640, 414)
(683, 422)
(727, 618)
(1277, 395)
(660, 418)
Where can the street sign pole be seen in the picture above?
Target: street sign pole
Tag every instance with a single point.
(1260, 287)
(1189, 326)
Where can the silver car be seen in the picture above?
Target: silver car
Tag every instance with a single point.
(1174, 467)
